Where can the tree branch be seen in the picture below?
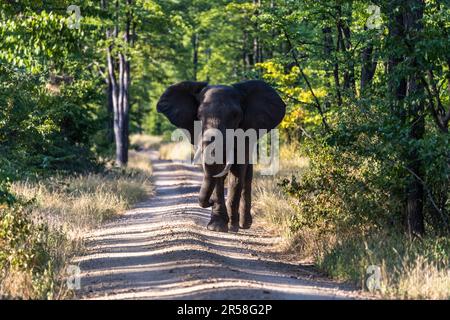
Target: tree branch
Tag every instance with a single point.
(316, 100)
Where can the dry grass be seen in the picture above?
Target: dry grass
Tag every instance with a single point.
(139, 161)
(176, 151)
(181, 151)
(414, 271)
(82, 202)
(420, 280)
(145, 141)
(68, 207)
(79, 203)
(417, 269)
(270, 202)
(17, 283)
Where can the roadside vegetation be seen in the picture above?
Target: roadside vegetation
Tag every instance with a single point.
(141, 141)
(318, 214)
(365, 174)
(306, 203)
(45, 227)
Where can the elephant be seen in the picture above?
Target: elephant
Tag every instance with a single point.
(245, 105)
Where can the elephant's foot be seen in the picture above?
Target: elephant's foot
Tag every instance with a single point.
(234, 226)
(245, 221)
(218, 223)
(234, 222)
(233, 216)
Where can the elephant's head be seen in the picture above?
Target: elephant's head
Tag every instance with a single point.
(246, 105)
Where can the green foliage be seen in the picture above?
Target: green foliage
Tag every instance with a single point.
(384, 142)
(341, 192)
(26, 249)
(357, 177)
(362, 165)
(41, 131)
(368, 105)
(51, 108)
(5, 176)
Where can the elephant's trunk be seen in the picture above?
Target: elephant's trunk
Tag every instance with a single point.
(208, 183)
(210, 172)
(229, 161)
(206, 191)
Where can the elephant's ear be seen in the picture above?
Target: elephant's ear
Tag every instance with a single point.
(179, 104)
(263, 107)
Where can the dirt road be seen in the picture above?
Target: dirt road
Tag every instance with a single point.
(162, 250)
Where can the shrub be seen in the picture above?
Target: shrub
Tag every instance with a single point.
(28, 258)
(338, 193)
(45, 228)
(410, 269)
(340, 211)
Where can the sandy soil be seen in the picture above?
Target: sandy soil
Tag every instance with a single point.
(162, 250)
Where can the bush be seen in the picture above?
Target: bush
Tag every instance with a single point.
(340, 211)
(410, 269)
(339, 193)
(28, 258)
(45, 228)
(41, 131)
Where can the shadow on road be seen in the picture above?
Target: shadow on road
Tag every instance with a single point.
(161, 249)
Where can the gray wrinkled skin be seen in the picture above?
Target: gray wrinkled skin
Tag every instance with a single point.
(246, 105)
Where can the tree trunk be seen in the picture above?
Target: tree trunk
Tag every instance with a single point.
(415, 188)
(404, 26)
(337, 82)
(368, 66)
(120, 89)
(344, 37)
(109, 90)
(110, 110)
(328, 48)
(244, 52)
(257, 54)
(195, 55)
(121, 116)
(415, 91)
(269, 49)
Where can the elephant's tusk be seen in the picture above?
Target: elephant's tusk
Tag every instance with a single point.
(224, 172)
(198, 155)
(227, 168)
(198, 158)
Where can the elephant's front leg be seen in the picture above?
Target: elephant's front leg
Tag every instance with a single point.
(245, 205)
(235, 184)
(219, 216)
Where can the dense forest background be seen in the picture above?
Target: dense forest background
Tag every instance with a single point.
(367, 84)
